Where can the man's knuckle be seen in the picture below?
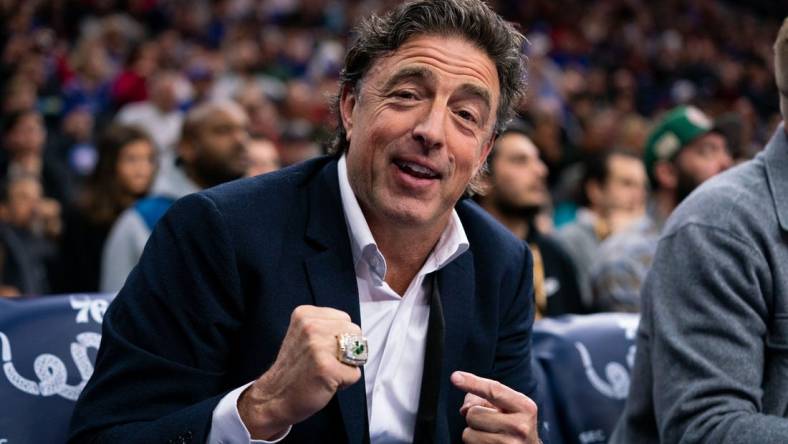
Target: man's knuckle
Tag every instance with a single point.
(313, 343)
(497, 391)
(323, 363)
(522, 429)
(467, 434)
(310, 329)
(298, 313)
(530, 406)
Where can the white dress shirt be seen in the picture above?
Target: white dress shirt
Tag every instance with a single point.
(395, 327)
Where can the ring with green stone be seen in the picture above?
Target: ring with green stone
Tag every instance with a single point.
(353, 349)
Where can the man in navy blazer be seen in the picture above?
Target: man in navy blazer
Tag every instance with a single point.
(244, 320)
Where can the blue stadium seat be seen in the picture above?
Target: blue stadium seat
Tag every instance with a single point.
(585, 363)
(47, 346)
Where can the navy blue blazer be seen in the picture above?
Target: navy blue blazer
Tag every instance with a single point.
(209, 303)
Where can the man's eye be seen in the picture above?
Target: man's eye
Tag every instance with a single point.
(406, 95)
(467, 115)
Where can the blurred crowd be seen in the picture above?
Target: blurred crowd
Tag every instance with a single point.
(110, 110)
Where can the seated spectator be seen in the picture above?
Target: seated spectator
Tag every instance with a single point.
(264, 119)
(263, 157)
(89, 84)
(130, 85)
(19, 94)
(24, 136)
(159, 115)
(73, 146)
(29, 224)
(711, 354)
(124, 173)
(682, 151)
(211, 151)
(612, 196)
(514, 190)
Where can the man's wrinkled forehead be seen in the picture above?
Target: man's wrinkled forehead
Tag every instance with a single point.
(420, 73)
(422, 58)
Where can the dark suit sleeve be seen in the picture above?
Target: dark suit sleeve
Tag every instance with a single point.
(513, 363)
(166, 338)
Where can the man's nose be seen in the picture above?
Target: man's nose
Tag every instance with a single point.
(430, 129)
(540, 169)
(241, 135)
(725, 161)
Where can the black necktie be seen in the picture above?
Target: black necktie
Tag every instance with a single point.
(425, 429)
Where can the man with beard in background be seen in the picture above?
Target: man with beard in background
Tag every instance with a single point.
(682, 151)
(211, 151)
(711, 363)
(515, 190)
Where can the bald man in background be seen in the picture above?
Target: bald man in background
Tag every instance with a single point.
(212, 150)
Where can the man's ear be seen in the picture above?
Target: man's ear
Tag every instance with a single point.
(486, 150)
(666, 174)
(347, 102)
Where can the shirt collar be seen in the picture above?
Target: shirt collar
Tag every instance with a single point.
(452, 243)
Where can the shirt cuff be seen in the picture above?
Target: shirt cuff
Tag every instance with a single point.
(227, 426)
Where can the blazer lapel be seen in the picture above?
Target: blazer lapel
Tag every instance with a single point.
(333, 282)
(457, 286)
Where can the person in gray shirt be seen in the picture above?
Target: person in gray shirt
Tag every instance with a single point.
(712, 346)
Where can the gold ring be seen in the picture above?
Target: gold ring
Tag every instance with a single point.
(353, 349)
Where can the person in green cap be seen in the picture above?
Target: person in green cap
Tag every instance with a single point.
(683, 150)
(712, 346)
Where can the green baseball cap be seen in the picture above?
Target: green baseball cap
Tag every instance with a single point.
(677, 129)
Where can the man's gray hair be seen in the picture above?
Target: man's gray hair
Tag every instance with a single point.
(472, 20)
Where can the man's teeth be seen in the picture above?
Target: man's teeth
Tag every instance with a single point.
(418, 169)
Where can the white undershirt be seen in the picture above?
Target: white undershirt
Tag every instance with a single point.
(395, 327)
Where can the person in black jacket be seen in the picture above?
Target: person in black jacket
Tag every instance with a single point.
(515, 191)
(243, 318)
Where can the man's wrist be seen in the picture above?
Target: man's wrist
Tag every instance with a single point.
(258, 415)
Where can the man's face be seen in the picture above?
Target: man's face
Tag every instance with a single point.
(27, 136)
(518, 175)
(164, 92)
(625, 186)
(263, 157)
(24, 196)
(218, 152)
(136, 166)
(419, 129)
(699, 161)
